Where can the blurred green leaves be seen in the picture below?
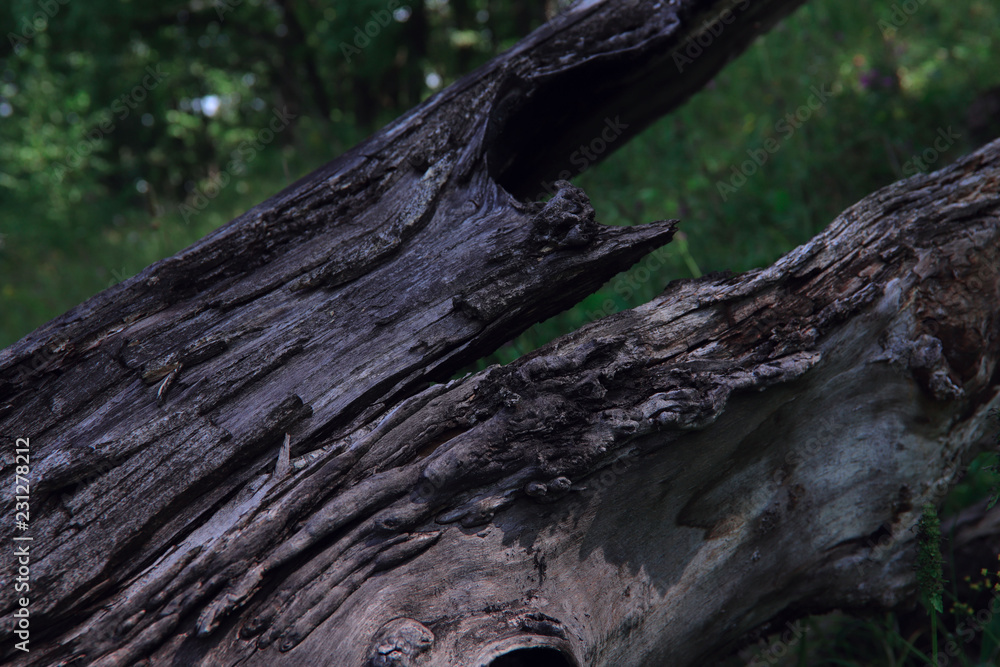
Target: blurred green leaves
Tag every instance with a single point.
(89, 193)
(233, 63)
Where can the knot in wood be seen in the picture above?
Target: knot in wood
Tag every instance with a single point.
(559, 485)
(551, 490)
(566, 221)
(399, 643)
(509, 398)
(541, 624)
(931, 369)
(536, 489)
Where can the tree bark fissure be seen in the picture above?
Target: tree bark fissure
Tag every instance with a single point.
(684, 452)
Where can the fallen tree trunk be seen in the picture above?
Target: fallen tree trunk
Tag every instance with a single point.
(456, 523)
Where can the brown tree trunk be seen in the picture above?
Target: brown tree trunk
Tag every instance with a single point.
(239, 456)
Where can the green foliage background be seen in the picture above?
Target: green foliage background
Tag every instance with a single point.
(81, 208)
(96, 183)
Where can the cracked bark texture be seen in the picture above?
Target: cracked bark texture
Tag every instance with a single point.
(643, 491)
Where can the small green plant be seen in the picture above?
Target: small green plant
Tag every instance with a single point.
(929, 567)
(971, 620)
(929, 559)
(989, 584)
(993, 468)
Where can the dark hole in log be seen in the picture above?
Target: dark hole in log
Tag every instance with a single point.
(532, 657)
(530, 138)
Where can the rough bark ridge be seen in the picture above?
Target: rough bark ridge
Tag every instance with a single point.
(401, 524)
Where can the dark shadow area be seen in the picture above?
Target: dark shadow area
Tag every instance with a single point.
(533, 657)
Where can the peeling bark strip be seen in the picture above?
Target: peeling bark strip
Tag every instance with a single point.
(239, 460)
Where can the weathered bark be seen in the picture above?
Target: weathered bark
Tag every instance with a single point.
(643, 491)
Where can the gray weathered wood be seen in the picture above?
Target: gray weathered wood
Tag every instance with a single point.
(643, 491)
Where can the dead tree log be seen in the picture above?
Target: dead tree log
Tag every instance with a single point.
(643, 491)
